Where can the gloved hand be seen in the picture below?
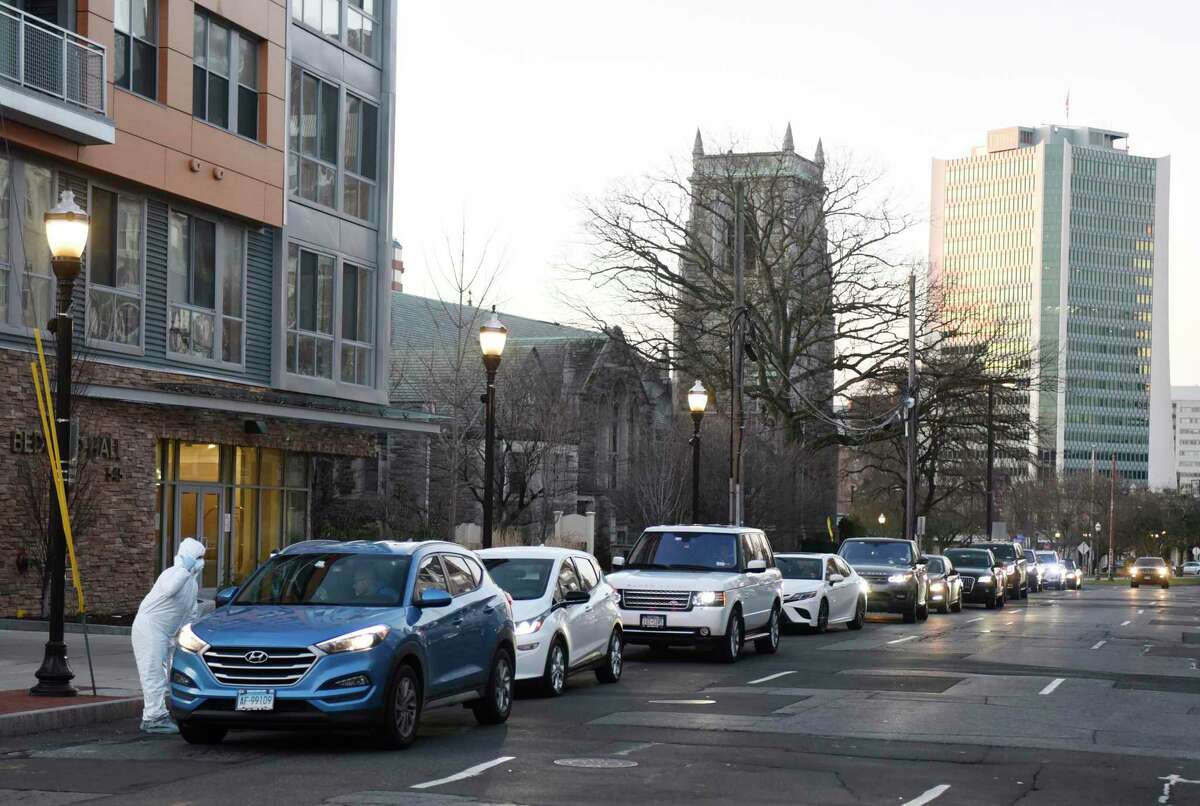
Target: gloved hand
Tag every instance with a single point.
(194, 564)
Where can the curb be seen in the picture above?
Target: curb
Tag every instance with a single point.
(69, 716)
(32, 625)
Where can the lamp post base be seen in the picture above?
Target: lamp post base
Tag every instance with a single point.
(55, 675)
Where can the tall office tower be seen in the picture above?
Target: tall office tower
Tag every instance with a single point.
(1185, 419)
(1052, 241)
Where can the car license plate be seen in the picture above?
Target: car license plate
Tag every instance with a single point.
(654, 622)
(255, 699)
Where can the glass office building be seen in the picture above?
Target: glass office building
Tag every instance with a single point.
(1052, 241)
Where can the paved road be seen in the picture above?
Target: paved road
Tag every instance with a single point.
(1090, 698)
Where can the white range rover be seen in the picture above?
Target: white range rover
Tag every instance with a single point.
(709, 586)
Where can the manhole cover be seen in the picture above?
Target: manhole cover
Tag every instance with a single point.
(596, 763)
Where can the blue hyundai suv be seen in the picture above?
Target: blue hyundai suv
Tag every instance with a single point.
(356, 634)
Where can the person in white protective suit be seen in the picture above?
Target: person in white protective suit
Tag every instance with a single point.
(169, 605)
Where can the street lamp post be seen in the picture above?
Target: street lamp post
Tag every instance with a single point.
(882, 520)
(697, 398)
(66, 233)
(492, 336)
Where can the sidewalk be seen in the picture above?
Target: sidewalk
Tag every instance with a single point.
(116, 683)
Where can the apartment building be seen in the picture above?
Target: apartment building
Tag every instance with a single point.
(232, 321)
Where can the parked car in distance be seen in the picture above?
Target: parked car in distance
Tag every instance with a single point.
(895, 571)
(1072, 575)
(363, 634)
(983, 576)
(1191, 568)
(945, 584)
(1151, 570)
(1033, 572)
(709, 586)
(821, 589)
(566, 614)
(1015, 567)
(1051, 569)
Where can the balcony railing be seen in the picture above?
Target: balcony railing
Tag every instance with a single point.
(44, 58)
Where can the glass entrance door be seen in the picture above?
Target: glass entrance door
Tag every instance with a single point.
(198, 515)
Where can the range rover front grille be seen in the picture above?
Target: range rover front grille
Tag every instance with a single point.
(252, 666)
(656, 600)
(968, 584)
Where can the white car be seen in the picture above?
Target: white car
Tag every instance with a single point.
(565, 614)
(821, 589)
(1051, 570)
(707, 586)
(1191, 568)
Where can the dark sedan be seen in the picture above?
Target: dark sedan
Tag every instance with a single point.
(1016, 568)
(945, 584)
(982, 575)
(1151, 570)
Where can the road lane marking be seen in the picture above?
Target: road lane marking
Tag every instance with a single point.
(970, 620)
(636, 748)
(1058, 681)
(1140, 612)
(469, 772)
(905, 638)
(928, 796)
(775, 676)
(1009, 623)
(1172, 780)
(1099, 644)
(1126, 623)
(682, 702)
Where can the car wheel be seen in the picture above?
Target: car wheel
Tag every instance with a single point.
(910, 615)
(770, 644)
(1133, 584)
(554, 678)
(958, 602)
(497, 700)
(1025, 591)
(923, 611)
(1166, 585)
(1003, 600)
(729, 649)
(614, 661)
(402, 714)
(994, 602)
(860, 615)
(822, 617)
(201, 734)
(944, 607)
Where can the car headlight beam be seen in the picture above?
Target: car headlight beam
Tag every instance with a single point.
(708, 599)
(188, 641)
(531, 625)
(357, 641)
(900, 579)
(985, 579)
(799, 597)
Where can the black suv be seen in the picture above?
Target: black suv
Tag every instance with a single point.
(1015, 566)
(982, 575)
(895, 570)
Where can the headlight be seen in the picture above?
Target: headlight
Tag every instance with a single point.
(937, 586)
(799, 597)
(985, 579)
(189, 642)
(356, 641)
(1162, 572)
(708, 599)
(899, 579)
(530, 626)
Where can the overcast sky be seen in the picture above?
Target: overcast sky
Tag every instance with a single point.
(510, 112)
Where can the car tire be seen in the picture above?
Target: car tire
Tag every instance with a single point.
(402, 711)
(923, 611)
(1166, 585)
(958, 603)
(910, 615)
(554, 676)
(614, 659)
(822, 617)
(1025, 591)
(731, 643)
(860, 615)
(770, 644)
(497, 700)
(944, 607)
(1133, 584)
(201, 734)
(993, 603)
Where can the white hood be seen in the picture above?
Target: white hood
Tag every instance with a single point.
(802, 585)
(523, 610)
(674, 580)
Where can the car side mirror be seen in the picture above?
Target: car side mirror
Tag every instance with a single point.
(577, 597)
(618, 562)
(434, 597)
(225, 595)
(836, 578)
(754, 566)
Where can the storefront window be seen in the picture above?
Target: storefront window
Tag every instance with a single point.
(272, 467)
(270, 523)
(199, 462)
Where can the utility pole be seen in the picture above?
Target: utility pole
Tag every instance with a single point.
(1112, 517)
(910, 417)
(737, 419)
(991, 460)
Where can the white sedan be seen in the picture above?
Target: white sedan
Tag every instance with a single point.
(821, 589)
(1190, 568)
(566, 614)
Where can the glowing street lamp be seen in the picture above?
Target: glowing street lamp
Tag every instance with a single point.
(697, 398)
(492, 337)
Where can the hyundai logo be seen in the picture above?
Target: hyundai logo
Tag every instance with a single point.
(257, 656)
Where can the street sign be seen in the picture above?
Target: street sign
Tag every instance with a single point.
(1084, 548)
(920, 525)
(1196, 551)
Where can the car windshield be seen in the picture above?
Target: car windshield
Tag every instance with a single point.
(1004, 551)
(935, 566)
(800, 567)
(866, 552)
(685, 551)
(1069, 564)
(1145, 561)
(1047, 557)
(362, 580)
(524, 578)
(969, 558)
(1029, 555)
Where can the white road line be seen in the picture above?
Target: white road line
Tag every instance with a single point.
(971, 620)
(905, 638)
(1009, 623)
(1140, 612)
(775, 676)
(1058, 681)
(1099, 644)
(682, 702)
(469, 772)
(1126, 623)
(635, 748)
(928, 796)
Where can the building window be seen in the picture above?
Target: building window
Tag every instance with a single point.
(313, 135)
(320, 15)
(357, 318)
(5, 254)
(135, 24)
(310, 313)
(114, 306)
(204, 291)
(360, 160)
(37, 291)
(361, 26)
(221, 54)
